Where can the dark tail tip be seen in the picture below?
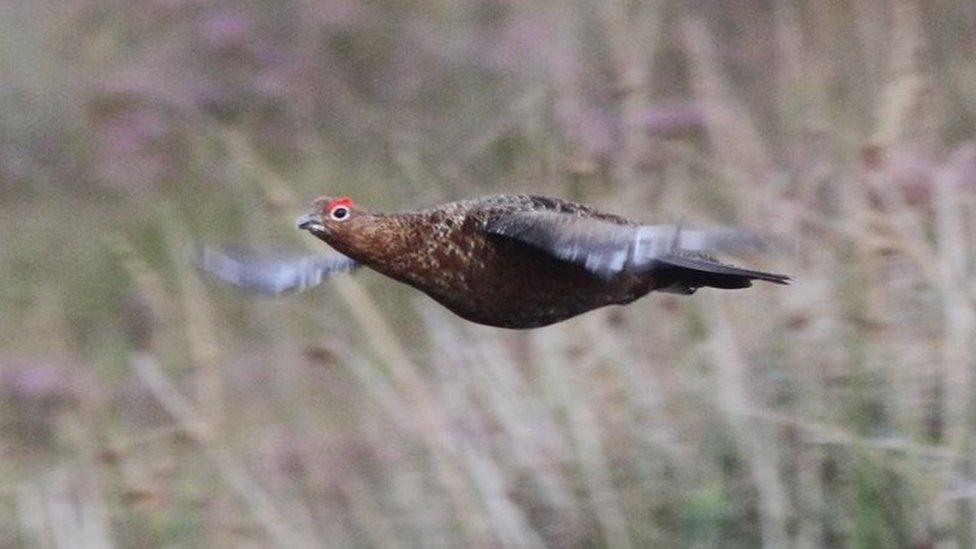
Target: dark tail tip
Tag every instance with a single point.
(775, 278)
(696, 272)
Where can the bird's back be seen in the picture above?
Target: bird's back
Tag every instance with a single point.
(490, 207)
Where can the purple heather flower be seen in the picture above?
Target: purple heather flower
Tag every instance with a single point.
(131, 132)
(35, 381)
(671, 119)
(226, 29)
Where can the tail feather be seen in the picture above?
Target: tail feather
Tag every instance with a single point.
(685, 273)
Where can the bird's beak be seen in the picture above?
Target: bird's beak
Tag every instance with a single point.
(310, 222)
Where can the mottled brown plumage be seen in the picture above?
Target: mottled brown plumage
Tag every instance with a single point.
(524, 261)
(512, 261)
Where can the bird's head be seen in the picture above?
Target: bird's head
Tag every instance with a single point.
(329, 217)
(337, 221)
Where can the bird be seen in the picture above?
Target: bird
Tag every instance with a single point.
(507, 260)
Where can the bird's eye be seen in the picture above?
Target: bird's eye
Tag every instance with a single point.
(338, 208)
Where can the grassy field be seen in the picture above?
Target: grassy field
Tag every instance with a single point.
(141, 406)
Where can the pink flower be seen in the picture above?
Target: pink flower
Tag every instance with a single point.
(36, 381)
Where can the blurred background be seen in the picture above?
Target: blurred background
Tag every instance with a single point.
(142, 406)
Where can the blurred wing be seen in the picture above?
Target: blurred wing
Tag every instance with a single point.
(608, 248)
(267, 274)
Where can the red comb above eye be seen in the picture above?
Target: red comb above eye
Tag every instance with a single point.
(336, 202)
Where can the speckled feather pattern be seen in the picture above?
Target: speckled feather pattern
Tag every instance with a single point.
(519, 261)
(446, 252)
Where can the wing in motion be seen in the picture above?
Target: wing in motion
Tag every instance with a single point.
(608, 248)
(270, 274)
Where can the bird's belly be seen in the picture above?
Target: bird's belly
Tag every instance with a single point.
(535, 292)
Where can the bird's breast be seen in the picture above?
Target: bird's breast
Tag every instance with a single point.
(505, 283)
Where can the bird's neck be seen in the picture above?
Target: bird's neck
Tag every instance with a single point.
(397, 245)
